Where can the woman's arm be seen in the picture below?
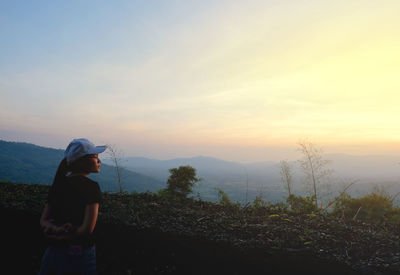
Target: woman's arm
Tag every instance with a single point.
(45, 221)
(89, 220)
(87, 226)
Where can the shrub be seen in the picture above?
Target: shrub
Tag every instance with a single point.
(372, 207)
(300, 204)
(259, 202)
(181, 181)
(223, 197)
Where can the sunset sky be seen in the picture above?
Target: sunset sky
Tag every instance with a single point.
(237, 80)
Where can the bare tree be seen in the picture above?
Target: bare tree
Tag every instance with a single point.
(116, 157)
(258, 200)
(247, 184)
(313, 166)
(286, 176)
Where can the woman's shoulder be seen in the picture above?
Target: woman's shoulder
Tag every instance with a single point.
(80, 178)
(91, 183)
(89, 180)
(82, 182)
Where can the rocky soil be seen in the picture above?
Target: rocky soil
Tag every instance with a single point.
(147, 234)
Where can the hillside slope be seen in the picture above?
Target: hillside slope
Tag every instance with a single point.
(147, 234)
(28, 163)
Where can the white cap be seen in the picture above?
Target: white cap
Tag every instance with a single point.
(81, 147)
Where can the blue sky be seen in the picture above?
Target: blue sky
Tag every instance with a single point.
(231, 79)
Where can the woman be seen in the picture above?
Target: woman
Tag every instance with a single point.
(71, 211)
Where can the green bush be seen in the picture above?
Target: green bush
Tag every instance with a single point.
(393, 216)
(373, 207)
(277, 207)
(223, 197)
(181, 181)
(301, 204)
(258, 202)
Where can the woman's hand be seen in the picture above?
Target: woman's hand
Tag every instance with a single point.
(61, 237)
(63, 232)
(49, 228)
(64, 229)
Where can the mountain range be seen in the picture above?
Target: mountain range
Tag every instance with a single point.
(29, 163)
(263, 178)
(32, 164)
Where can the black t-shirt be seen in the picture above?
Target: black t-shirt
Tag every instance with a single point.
(68, 199)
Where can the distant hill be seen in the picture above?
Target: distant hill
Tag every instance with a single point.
(379, 167)
(215, 173)
(28, 163)
(264, 177)
(214, 168)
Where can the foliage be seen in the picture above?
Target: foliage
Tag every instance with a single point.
(181, 181)
(23, 196)
(166, 194)
(163, 193)
(372, 207)
(258, 202)
(223, 197)
(269, 228)
(278, 207)
(225, 201)
(301, 204)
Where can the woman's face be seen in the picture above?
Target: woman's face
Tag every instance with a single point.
(93, 163)
(86, 164)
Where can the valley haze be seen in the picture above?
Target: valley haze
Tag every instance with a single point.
(236, 179)
(264, 177)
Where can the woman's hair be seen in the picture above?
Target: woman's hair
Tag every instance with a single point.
(78, 166)
(62, 170)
